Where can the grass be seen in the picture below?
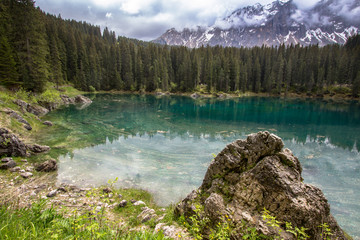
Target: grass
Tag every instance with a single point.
(39, 222)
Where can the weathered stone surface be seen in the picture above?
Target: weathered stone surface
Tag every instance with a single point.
(26, 174)
(21, 104)
(82, 99)
(67, 100)
(146, 214)
(52, 193)
(256, 173)
(36, 148)
(50, 106)
(172, 231)
(48, 123)
(137, 203)
(8, 165)
(15, 169)
(34, 109)
(18, 118)
(122, 203)
(5, 160)
(47, 166)
(11, 145)
(107, 190)
(195, 95)
(37, 110)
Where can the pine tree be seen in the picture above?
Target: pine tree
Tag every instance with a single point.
(29, 39)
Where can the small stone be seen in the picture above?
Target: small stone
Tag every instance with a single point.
(120, 196)
(107, 190)
(133, 201)
(22, 171)
(26, 174)
(48, 123)
(27, 127)
(5, 160)
(15, 169)
(29, 169)
(110, 195)
(24, 160)
(98, 209)
(123, 203)
(139, 203)
(62, 189)
(146, 215)
(52, 193)
(9, 164)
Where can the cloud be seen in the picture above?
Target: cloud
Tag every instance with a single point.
(349, 9)
(148, 19)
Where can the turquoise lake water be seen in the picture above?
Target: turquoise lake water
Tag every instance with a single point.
(165, 144)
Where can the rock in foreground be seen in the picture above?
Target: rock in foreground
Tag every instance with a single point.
(253, 174)
(47, 166)
(11, 145)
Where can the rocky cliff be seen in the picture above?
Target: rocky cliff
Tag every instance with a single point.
(280, 22)
(251, 175)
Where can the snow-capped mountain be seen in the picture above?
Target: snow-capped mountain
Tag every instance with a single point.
(329, 21)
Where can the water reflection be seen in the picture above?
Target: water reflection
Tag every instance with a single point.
(111, 116)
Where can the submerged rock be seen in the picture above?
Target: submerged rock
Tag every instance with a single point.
(251, 175)
(47, 166)
(11, 145)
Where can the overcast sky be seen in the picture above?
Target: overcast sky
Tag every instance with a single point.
(148, 19)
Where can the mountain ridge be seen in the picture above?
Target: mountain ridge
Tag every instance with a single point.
(280, 22)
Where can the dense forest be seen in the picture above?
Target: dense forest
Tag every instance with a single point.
(36, 48)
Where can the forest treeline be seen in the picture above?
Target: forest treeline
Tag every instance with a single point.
(36, 48)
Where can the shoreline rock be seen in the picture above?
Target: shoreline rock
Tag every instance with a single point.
(11, 145)
(251, 175)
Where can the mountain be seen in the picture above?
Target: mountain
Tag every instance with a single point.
(328, 22)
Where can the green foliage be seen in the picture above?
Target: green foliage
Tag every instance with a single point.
(325, 231)
(38, 48)
(50, 95)
(92, 89)
(39, 222)
(195, 223)
(223, 229)
(299, 233)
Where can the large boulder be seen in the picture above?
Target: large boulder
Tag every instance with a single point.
(251, 175)
(11, 145)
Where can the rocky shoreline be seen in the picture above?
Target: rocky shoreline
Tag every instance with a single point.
(246, 181)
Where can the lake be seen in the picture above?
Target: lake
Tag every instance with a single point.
(164, 144)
